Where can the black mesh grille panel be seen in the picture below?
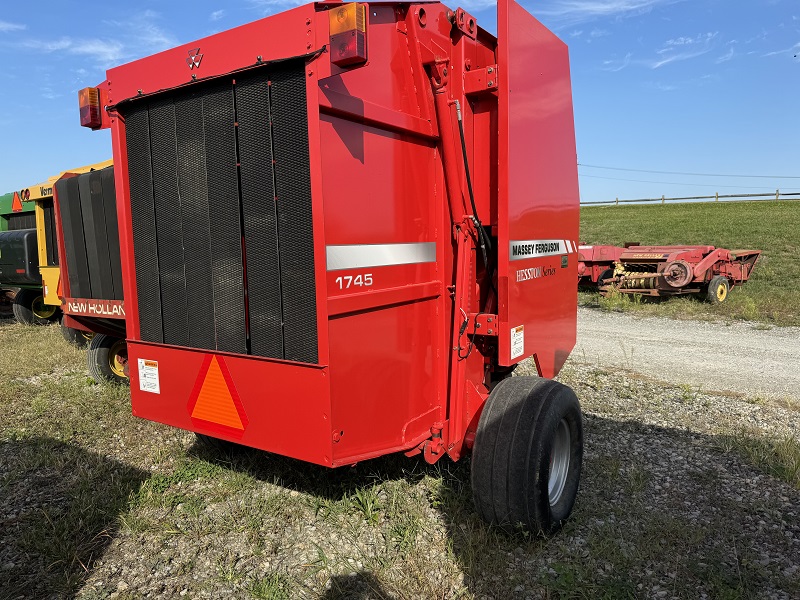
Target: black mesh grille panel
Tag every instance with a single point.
(21, 221)
(226, 239)
(70, 208)
(226, 269)
(295, 231)
(191, 149)
(87, 205)
(112, 230)
(168, 224)
(143, 223)
(258, 209)
(50, 231)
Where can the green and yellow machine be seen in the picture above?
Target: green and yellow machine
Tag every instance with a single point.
(29, 256)
(19, 277)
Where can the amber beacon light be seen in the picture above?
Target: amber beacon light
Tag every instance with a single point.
(348, 34)
(89, 102)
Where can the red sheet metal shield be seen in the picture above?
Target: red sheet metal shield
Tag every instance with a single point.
(538, 200)
(214, 404)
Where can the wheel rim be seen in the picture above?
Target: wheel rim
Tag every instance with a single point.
(722, 292)
(118, 358)
(559, 462)
(41, 310)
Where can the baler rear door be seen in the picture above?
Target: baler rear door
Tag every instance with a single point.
(538, 199)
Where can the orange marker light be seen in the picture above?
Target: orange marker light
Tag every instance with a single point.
(89, 102)
(348, 34)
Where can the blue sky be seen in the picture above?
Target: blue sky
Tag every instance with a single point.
(692, 86)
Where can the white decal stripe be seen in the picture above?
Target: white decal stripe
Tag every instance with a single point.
(569, 246)
(360, 256)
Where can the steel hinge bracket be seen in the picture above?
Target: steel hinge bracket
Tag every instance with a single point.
(483, 324)
(465, 23)
(477, 81)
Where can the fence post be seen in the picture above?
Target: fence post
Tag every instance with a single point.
(662, 198)
(716, 196)
(777, 194)
(617, 203)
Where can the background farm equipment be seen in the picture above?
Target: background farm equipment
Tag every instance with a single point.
(20, 282)
(87, 272)
(667, 270)
(59, 248)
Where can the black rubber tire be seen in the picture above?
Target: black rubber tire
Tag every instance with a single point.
(607, 274)
(511, 455)
(714, 293)
(24, 308)
(99, 357)
(23, 311)
(75, 337)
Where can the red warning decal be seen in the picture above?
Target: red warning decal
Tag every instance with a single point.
(214, 404)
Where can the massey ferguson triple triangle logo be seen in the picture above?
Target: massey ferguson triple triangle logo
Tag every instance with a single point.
(195, 58)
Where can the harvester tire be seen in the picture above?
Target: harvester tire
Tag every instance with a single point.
(526, 461)
(76, 337)
(718, 289)
(106, 359)
(30, 309)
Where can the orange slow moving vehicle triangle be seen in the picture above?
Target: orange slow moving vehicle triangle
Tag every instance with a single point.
(214, 405)
(16, 203)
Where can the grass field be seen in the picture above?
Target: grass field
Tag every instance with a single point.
(677, 500)
(773, 293)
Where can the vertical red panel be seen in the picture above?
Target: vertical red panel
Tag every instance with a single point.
(538, 199)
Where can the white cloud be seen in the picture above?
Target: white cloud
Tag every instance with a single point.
(683, 48)
(616, 65)
(598, 33)
(104, 51)
(727, 56)
(578, 11)
(49, 94)
(216, 15)
(5, 27)
(142, 34)
(135, 37)
(576, 33)
(664, 87)
(270, 7)
(784, 51)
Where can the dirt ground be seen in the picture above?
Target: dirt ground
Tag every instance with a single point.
(747, 358)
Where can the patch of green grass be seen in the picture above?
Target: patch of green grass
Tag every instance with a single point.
(90, 495)
(274, 586)
(773, 293)
(776, 456)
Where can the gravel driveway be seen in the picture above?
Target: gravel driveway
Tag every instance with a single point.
(740, 357)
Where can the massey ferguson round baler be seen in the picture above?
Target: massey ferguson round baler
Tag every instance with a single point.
(342, 227)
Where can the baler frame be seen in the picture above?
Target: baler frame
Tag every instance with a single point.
(442, 263)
